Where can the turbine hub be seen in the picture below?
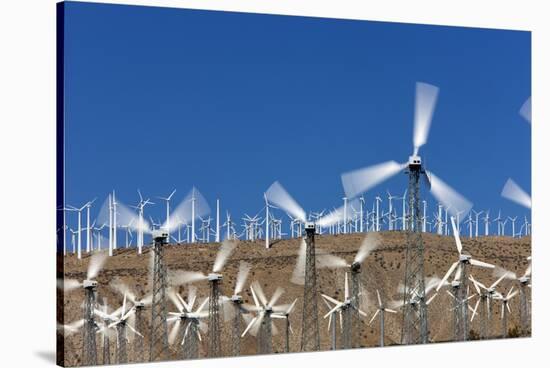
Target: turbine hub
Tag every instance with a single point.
(524, 280)
(355, 266)
(455, 284)
(465, 258)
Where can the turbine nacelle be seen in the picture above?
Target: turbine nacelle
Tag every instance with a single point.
(415, 161)
(214, 277)
(455, 284)
(524, 280)
(355, 267)
(89, 284)
(160, 235)
(237, 299)
(465, 258)
(310, 227)
(139, 305)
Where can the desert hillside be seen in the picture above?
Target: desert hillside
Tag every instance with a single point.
(382, 270)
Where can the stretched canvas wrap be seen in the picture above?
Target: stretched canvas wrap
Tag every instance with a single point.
(236, 184)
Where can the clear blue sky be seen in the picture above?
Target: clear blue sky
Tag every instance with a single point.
(161, 98)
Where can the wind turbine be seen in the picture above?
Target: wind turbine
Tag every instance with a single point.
(262, 325)
(214, 308)
(415, 323)
(381, 310)
(344, 307)
(121, 324)
(505, 309)
(277, 195)
(523, 283)
(139, 305)
(236, 304)
(190, 320)
(167, 200)
(370, 242)
(89, 348)
(460, 282)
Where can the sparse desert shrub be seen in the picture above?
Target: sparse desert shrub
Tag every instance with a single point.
(514, 332)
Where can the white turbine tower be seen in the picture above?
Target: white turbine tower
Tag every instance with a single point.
(167, 200)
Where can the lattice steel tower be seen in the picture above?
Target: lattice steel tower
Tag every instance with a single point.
(89, 347)
(310, 322)
(158, 345)
(106, 349)
(214, 312)
(121, 353)
(355, 323)
(415, 317)
(237, 301)
(265, 340)
(191, 343)
(525, 318)
(347, 315)
(138, 339)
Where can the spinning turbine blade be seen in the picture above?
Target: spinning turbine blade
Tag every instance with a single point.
(513, 192)
(359, 181)
(426, 98)
(191, 297)
(370, 243)
(252, 321)
(174, 333)
(330, 261)
(178, 277)
(454, 201)
(244, 269)
(502, 273)
(225, 251)
(525, 110)
(123, 289)
(96, 264)
(277, 195)
(183, 214)
(475, 310)
(299, 272)
(276, 295)
(68, 284)
(259, 292)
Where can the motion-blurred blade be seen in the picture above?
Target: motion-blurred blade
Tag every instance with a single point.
(299, 272)
(68, 284)
(426, 98)
(379, 299)
(525, 110)
(431, 299)
(513, 192)
(244, 269)
(259, 292)
(370, 243)
(118, 286)
(225, 251)
(277, 195)
(174, 332)
(178, 277)
(503, 273)
(184, 214)
(330, 261)
(453, 200)
(359, 181)
(191, 297)
(96, 264)
(276, 295)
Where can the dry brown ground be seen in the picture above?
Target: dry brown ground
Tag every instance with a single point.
(382, 270)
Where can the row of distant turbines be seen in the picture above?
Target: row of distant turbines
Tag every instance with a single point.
(414, 290)
(89, 235)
